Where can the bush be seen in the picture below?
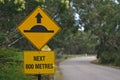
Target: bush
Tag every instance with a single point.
(117, 60)
(108, 57)
(11, 65)
(12, 72)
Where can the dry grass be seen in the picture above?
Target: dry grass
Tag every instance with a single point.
(58, 74)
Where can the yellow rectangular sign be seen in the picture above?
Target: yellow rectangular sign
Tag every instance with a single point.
(39, 62)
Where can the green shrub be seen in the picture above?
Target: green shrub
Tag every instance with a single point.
(11, 65)
(12, 72)
(117, 60)
(108, 57)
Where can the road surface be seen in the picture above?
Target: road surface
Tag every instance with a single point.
(81, 69)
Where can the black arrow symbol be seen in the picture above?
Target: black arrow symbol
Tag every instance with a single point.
(38, 16)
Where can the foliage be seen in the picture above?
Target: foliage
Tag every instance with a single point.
(117, 60)
(108, 58)
(11, 65)
(80, 43)
(101, 17)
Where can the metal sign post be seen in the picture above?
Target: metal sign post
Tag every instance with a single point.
(39, 76)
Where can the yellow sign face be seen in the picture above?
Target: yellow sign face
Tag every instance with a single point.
(45, 48)
(39, 62)
(38, 28)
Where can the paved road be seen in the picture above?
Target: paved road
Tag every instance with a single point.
(81, 69)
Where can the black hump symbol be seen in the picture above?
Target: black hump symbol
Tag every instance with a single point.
(39, 28)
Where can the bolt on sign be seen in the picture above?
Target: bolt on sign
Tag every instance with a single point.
(38, 28)
(39, 62)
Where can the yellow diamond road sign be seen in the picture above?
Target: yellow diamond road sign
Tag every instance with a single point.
(38, 28)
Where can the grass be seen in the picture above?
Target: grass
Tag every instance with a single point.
(58, 74)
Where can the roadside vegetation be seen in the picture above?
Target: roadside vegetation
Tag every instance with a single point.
(11, 65)
(58, 75)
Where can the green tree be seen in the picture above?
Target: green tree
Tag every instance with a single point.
(10, 11)
(102, 18)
